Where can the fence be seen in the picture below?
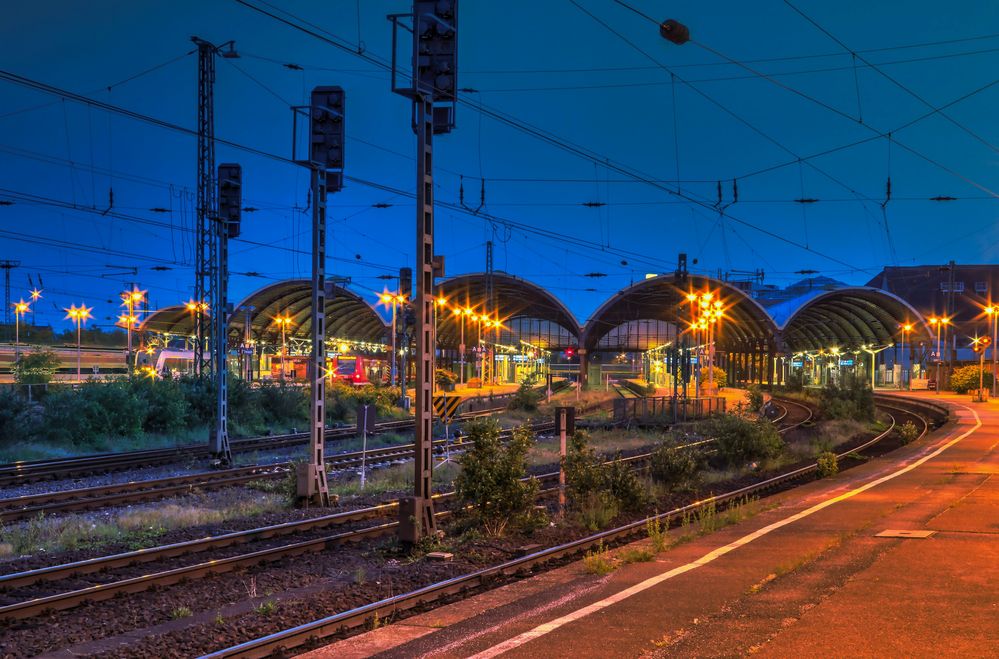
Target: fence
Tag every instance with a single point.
(666, 408)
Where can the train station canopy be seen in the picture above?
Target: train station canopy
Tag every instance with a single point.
(647, 314)
(846, 318)
(528, 312)
(348, 315)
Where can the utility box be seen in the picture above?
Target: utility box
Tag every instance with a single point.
(306, 480)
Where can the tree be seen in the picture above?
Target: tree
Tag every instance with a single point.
(491, 476)
(965, 379)
(37, 367)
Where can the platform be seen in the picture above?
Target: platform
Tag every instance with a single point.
(814, 574)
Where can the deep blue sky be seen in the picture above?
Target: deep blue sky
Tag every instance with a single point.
(547, 64)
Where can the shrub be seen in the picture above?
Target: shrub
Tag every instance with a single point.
(598, 561)
(674, 467)
(527, 397)
(742, 440)
(16, 422)
(586, 475)
(281, 403)
(908, 432)
(827, 464)
(167, 409)
(852, 400)
(96, 410)
(491, 473)
(597, 510)
(755, 397)
(658, 533)
(622, 484)
(964, 379)
(36, 367)
(444, 379)
(583, 468)
(720, 376)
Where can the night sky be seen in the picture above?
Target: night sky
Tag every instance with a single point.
(630, 101)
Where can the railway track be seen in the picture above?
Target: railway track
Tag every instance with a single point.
(791, 414)
(492, 576)
(114, 585)
(90, 498)
(19, 473)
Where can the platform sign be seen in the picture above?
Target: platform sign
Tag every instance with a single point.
(846, 362)
(446, 406)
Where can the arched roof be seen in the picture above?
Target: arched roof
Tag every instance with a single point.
(846, 317)
(169, 320)
(662, 299)
(347, 314)
(515, 298)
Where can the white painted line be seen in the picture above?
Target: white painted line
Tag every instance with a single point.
(551, 626)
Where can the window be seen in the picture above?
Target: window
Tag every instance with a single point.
(981, 287)
(958, 286)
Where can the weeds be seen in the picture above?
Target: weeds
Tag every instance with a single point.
(908, 432)
(658, 533)
(598, 561)
(266, 608)
(827, 464)
(598, 510)
(637, 555)
(181, 612)
(360, 576)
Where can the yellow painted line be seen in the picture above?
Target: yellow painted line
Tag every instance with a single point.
(551, 626)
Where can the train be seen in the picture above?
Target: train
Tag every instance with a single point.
(94, 362)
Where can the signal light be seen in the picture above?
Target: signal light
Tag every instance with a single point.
(231, 197)
(674, 32)
(326, 127)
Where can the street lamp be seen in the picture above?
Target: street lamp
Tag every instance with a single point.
(196, 307)
(467, 311)
(283, 322)
(906, 328)
(79, 315)
(20, 308)
(706, 312)
(395, 300)
(938, 322)
(993, 312)
(873, 351)
(129, 299)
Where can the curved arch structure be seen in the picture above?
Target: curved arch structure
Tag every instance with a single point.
(847, 318)
(528, 312)
(347, 314)
(661, 301)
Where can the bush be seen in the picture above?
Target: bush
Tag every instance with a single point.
(445, 379)
(622, 484)
(36, 367)
(720, 376)
(583, 468)
(491, 473)
(526, 398)
(281, 403)
(597, 510)
(586, 476)
(16, 422)
(964, 379)
(908, 432)
(96, 410)
(674, 467)
(827, 464)
(755, 397)
(742, 440)
(167, 409)
(853, 400)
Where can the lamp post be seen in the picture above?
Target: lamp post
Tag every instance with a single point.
(467, 311)
(128, 300)
(706, 310)
(906, 328)
(938, 322)
(196, 307)
(395, 300)
(993, 312)
(873, 351)
(283, 322)
(78, 315)
(20, 308)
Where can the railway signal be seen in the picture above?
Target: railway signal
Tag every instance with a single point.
(434, 95)
(326, 115)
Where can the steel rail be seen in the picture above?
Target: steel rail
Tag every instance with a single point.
(383, 609)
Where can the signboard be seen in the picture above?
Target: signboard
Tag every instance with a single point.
(446, 406)
(366, 415)
(569, 413)
(796, 363)
(846, 362)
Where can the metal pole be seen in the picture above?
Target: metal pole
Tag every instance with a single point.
(78, 321)
(17, 336)
(220, 326)
(395, 352)
(939, 356)
(561, 464)
(901, 370)
(995, 338)
(317, 408)
(364, 443)
(461, 350)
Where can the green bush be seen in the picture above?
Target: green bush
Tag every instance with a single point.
(720, 376)
(281, 403)
(965, 378)
(622, 484)
(754, 396)
(167, 408)
(586, 475)
(851, 400)
(97, 410)
(674, 467)
(36, 367)
(742, 440)
(828, 464)
(16, 420)
(491, 473)
(527, 396)
(908, 432)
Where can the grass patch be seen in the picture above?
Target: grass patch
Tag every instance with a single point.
(637, 555)
(181, 612)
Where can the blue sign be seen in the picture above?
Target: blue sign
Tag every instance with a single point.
(797, 363)
(846, 362)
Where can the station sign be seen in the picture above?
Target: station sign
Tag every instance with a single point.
(797, 363)
(846, 362)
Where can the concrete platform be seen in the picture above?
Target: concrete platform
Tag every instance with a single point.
(808, 576)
